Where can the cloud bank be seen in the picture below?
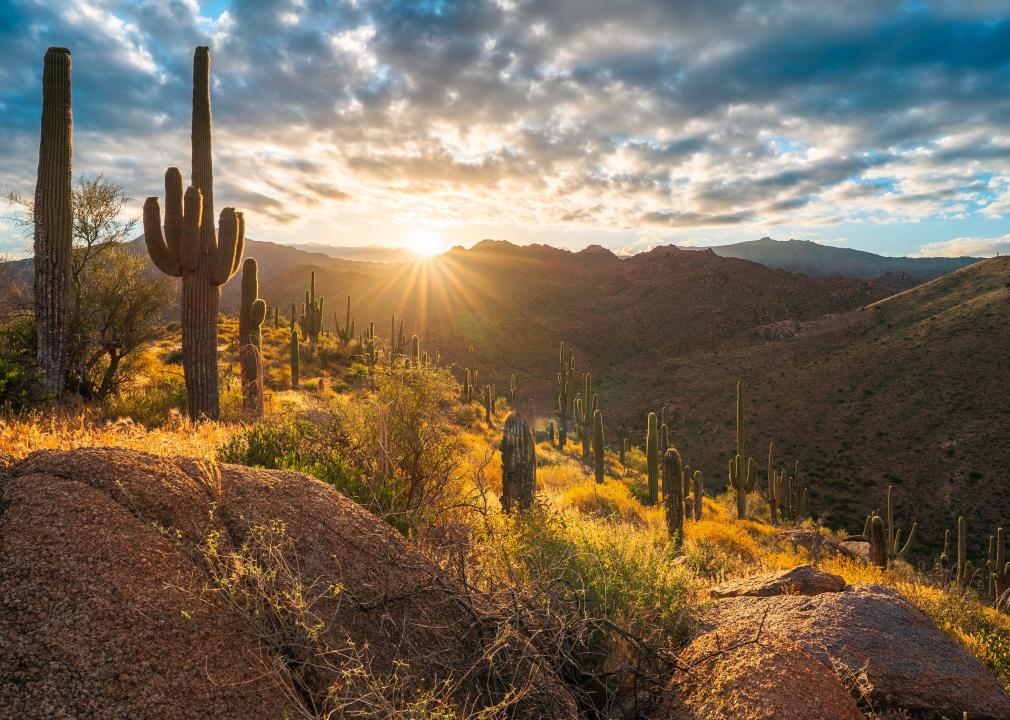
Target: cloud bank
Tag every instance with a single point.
(356, 120)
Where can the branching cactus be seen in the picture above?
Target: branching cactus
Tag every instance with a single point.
(598, 447)
(895, 549)
(311, 320)
(652, 456)
(519, 464)
(53, 222)
(345, 332)
(369, 349)
(999, 572)
(566, 373)
(191, 248)
(741, 470)
(673, 497)
(252, 313)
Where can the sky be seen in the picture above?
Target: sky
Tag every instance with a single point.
(870, 124)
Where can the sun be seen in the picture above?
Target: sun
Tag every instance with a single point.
(424, 243)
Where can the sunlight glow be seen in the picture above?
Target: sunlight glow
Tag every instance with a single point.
(424, 242)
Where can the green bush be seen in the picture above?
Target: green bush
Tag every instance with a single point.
(18, 376)
(395, 450)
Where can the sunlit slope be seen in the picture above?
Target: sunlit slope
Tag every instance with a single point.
(910, 391)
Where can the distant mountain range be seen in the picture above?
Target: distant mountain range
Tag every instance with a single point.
(799, 256)
(364, 253)
(810, 258)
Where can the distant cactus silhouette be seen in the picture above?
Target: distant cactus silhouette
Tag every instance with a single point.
(53, 220)
(566, 372)
(652, 457)
(191, 248)
(311, 320)
(295, 351)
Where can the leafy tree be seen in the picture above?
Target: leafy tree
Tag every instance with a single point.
(115, 305)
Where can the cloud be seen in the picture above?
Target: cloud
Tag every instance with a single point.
(619, 115)
(966, 246)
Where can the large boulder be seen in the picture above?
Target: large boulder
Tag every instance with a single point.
(800, 580)
(108, 607)
(865, 631)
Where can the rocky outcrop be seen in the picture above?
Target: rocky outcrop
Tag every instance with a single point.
(867, 638)
(800, 580)
(108, 608)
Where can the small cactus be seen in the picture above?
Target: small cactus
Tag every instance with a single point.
(519, 464)
(895, 549)
(652, 456)
(878, 542)
(673, 483)
(598, 446)
(295, 358)
(699, 493)
(962, 578)
(311, 320)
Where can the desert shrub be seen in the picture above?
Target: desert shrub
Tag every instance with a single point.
(18, 376)
(606, 608)
(395, 450)
(153, 404)
(715, 549)
(610, 501)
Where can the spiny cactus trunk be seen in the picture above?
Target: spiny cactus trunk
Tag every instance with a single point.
(53, 220)
(200, 301)
(878, 542)
(519, 464)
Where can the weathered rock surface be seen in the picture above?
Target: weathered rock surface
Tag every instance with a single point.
(911, 664)
(800, 580)
(762, 681)
(105, 609)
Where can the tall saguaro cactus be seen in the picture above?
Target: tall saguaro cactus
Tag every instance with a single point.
(252, 312)
(191, 247)
(53, 218)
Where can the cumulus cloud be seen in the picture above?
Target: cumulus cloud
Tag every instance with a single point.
(634, 116)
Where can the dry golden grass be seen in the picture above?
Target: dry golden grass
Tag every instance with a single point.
(63, 430)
